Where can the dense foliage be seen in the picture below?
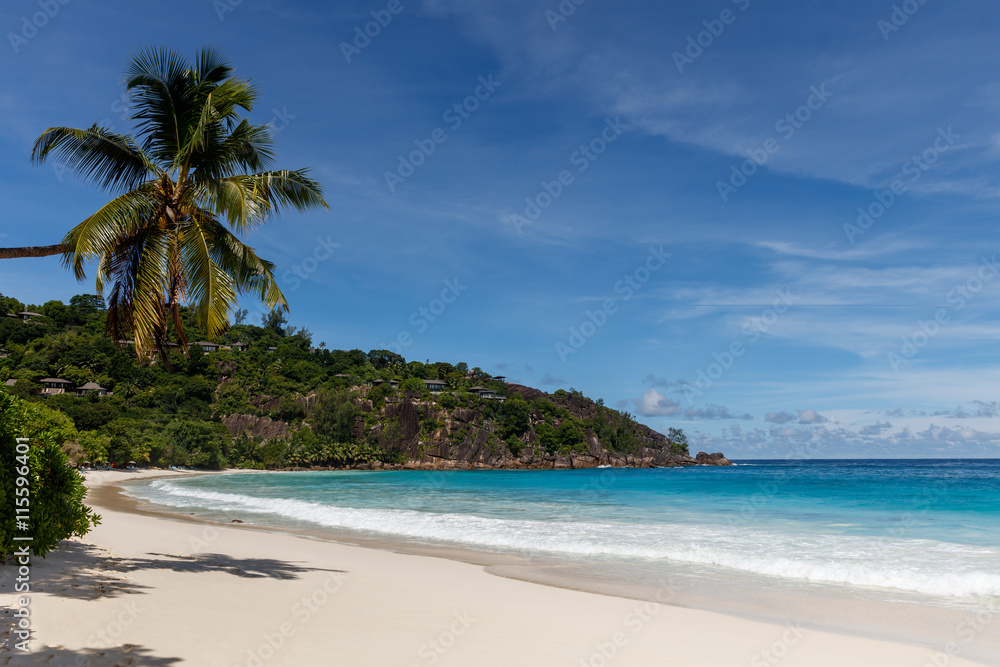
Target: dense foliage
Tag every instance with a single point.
(54, 497)
(331, 408)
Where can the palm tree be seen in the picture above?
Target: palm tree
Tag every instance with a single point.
(194, 168)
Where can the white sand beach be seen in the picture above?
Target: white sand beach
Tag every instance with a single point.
(149, 590)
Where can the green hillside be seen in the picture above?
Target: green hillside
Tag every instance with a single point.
(274, 400)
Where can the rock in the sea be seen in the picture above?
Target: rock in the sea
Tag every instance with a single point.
(716, 459)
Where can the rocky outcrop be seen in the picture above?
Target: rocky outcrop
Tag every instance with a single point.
(712, 459)
(256, 427)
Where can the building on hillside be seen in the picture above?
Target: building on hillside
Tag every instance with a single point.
(27, 315)
(52, 386)
(208, 347)
(484, 392)
(91, 388)
(435, 386)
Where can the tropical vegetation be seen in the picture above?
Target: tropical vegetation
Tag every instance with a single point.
(193, 176)
(322, 407)
(41, 494)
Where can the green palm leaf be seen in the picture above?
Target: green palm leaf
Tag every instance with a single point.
(111, 160)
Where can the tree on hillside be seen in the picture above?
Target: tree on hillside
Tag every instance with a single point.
(193, 168)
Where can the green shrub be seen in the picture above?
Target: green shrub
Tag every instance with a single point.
(56, 491)
(413, 384)
(678, 441)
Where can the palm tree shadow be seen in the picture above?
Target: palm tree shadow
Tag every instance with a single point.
(88, 572)
(127, 655)
(250, 568)
(74, 570)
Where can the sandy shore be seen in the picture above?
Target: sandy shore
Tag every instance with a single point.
(151, 590)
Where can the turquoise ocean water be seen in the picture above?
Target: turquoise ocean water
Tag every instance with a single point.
(924, 527)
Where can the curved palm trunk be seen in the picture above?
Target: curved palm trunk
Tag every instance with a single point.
(33, 251)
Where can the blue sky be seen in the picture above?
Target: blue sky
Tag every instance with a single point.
(583, 208)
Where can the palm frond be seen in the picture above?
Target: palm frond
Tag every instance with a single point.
(210, 287)
(246, 201)
(97, 154)
(250, 273)
(158, 80)
(137, 268)
(213, 66)
(220, 135)
(104, 231)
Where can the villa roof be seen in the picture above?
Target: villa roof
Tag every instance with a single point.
(434, 382)
(478, 389)
(54, 380)
(30, 314)
(92, 385)
(10, 383)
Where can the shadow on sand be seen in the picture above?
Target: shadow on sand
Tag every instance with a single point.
(127, 655)
(87, 572)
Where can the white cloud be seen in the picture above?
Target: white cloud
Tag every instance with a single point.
(654, 404)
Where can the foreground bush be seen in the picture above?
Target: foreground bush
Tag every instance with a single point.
(56, 490)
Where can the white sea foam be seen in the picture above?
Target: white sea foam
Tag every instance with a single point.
(923, 566)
